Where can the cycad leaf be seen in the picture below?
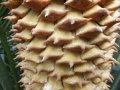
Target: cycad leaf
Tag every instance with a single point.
(5, 80)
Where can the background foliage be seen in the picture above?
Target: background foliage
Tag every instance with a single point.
(9, 75)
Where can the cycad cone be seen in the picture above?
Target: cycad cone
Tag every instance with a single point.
(65, 44)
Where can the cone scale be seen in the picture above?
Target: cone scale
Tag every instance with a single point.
(65, 44)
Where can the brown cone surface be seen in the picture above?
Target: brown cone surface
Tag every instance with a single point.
(65, 44)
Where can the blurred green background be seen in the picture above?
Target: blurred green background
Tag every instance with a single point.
(9, 75)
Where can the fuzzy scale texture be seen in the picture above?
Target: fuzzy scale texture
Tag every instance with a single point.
(65, 44)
